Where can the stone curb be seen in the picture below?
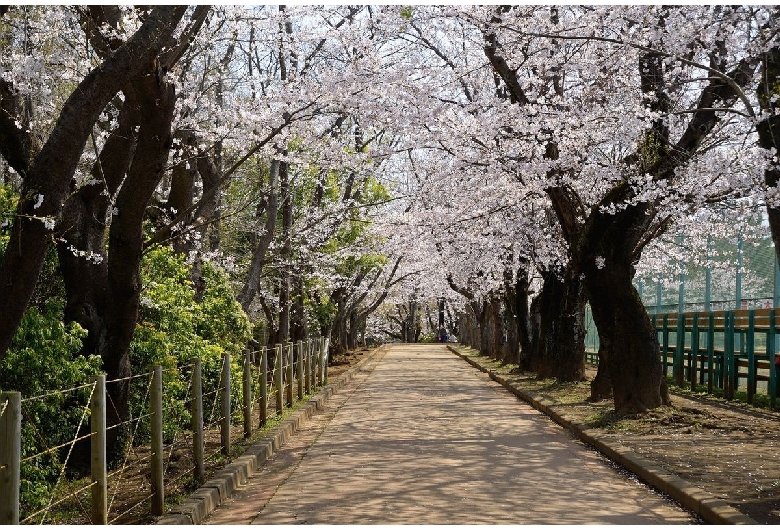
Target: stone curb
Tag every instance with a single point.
(220, 487)
(706, 505)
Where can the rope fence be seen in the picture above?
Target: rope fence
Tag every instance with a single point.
(166, 434)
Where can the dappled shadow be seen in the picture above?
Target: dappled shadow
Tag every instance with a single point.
(427, 440)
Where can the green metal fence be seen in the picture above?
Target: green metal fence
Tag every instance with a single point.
(715, 351)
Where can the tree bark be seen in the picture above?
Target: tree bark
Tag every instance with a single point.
(157, 101)
(523, 313)
(495, 324)
(254, 275)
(50, 174)
(631, 341)
(286, 253)
(84, 219)
(769, 132)
(561, 347)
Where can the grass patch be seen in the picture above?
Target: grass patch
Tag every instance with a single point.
(760, 401)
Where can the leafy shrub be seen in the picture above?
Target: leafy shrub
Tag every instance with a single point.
(43, 357)
(174, 328)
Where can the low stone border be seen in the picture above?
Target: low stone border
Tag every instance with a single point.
(707, 506)
(221, 486)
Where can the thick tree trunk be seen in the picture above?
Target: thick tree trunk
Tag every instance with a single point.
(601, 386)
(510, 352)
(523, 314)
(157, 103)
(352, 334)
(769, 133)
(84, 230)
(495, 328)
(604, 316)
(562, 328)
(530, 359)
(50, 174)
(631, 340)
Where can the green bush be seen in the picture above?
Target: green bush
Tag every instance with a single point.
(44, 357)
(174, 328)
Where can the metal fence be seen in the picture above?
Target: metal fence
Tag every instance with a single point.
(268, 380)
(718, 351)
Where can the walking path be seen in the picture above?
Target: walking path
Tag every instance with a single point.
(419, 437)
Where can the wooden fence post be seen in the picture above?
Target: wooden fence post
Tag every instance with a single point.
(278, 379)
(710, 352)
(288, 348)
(307, 367)
(728, 358)
(247, 387)
(665, 344)
(198, 447)
(325, 348)
(225, 426)
(299, 369)
(679, 352)
(156, 419)
(263, 386)
(693, 360)
(10, 456)
(98, 461)
(750, 345)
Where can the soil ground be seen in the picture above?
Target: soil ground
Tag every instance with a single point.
(728, 449)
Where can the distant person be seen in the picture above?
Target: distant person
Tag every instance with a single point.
(443, 335)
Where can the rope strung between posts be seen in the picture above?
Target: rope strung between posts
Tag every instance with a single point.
(120, 472)
(72, 444)
(220, 386)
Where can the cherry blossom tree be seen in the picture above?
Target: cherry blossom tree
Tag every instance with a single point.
(47, 166)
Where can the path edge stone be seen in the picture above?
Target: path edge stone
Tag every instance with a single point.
(710, 508)
(203, 501)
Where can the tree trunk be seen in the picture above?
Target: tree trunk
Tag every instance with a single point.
(157, 103)
(254, 275)
(299, 326)
(523, 314)
(769, 133)
(84, 229)
(603, 315)
(50, 174)
(562, 328)
(630, 341)
(601, 386)
(286, 252)
(352, 334)
(495, 327)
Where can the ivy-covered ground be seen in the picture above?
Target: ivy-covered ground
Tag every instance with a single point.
(725, 448)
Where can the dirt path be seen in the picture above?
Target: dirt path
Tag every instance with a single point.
(423, 438)
(729, 450)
